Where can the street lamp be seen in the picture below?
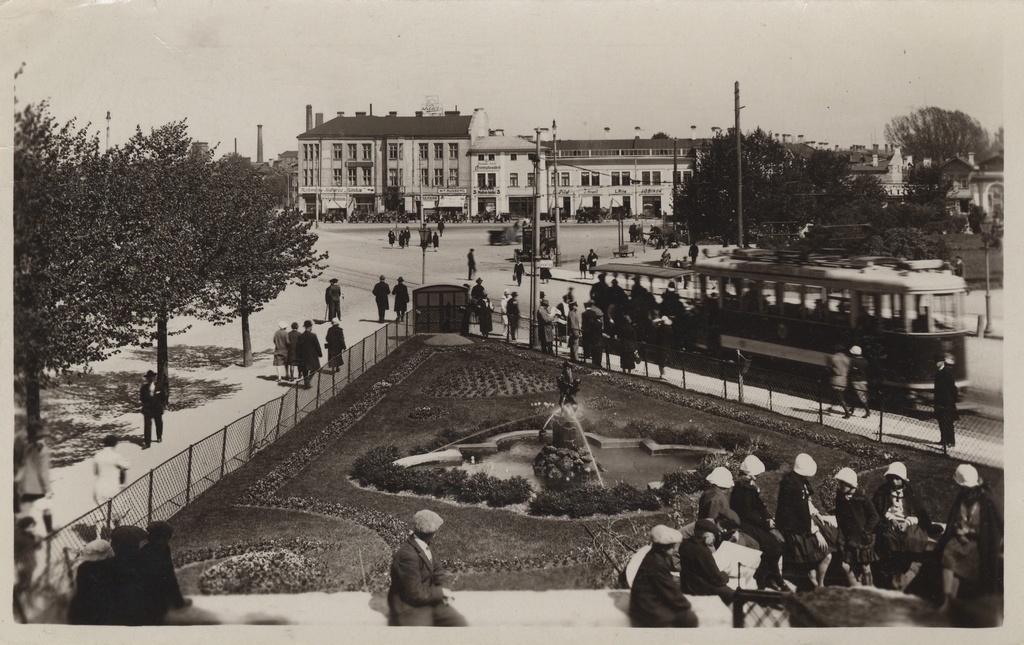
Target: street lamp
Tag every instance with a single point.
(535, 245)
(424, 243)
(987, 225)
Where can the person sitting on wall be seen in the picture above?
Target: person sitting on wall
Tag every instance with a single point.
(698, 573)
(656, 598)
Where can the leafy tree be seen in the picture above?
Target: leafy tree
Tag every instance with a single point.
(927, 186)
(259, 251)
(661, 135)
(937, 133)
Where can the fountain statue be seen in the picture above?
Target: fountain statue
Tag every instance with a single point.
(568, 457)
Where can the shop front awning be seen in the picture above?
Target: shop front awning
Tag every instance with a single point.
(452, 202)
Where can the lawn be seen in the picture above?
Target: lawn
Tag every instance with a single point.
(971, 249)
(441, 394)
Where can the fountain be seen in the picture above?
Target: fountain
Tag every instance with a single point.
(569, 458)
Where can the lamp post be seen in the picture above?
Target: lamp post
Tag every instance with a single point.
(424, 242)
(986, 238)
(535, 242)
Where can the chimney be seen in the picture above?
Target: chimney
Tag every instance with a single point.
(451, 113)
(392, 113)
(419, 112)
(309, 117)
(874, 157)
(371, 109)
(693, 132)
(837, 147)
(360, 113)
(480, 123)
(875, 148)
(785, 138)
(319, 119)
(799, 138)
(341, 114)
(970, 158)
(607, 133)
(259, 144)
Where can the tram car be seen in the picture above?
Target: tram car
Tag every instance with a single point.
(801, 307)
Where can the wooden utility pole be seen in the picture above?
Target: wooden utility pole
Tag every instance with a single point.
(739, 174)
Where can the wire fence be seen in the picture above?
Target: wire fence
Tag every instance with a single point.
(47, 570)
(891, 418)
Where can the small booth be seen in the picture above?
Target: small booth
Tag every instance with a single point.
(439, 308)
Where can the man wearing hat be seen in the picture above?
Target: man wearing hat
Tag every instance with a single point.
(593, 335)
(574, 329)
(698, 572)
(655, 597)
(309, 353)
(478, 290)
(281, 350)
(512, 313)
(335, 344)
(381, 291)
(902, 528)
(471, 263)
(419, 595)
(546, 327)
(945, 399)
(152, 397)
(160, 583)
(401, 294)
(333, 298)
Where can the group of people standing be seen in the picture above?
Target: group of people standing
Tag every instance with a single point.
(298, 354)
(889, 531)
(382, 290)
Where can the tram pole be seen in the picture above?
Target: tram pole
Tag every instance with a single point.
(739, 173)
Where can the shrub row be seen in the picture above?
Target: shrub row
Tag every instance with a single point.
(482, 431)
(584, 501)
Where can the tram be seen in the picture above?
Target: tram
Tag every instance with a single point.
(800, 307)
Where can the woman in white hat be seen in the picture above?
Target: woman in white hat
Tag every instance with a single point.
(757, 522)
(800, 523)
(716, 498)
(902, 528)
(857, 520)
(972, 546)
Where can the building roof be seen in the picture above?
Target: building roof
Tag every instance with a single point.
(503, 144)
(963, 162)
(289, 153)
(628, 144)
(992, 164)
(448, 126)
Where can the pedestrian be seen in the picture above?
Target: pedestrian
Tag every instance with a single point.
(574, 330)
(666, 258)
(800, 523)
(627, 345)
(152, 398)
(583, 267)
(757, 522)
(512, 311)
(401, 239)
(335, 345)
(381, 291)
(484, 315)
(281, 351)
(592, 262)
(971, 548)
(945, 399)
(857, 519)
(95, 585)
(309, 353)
(958, 267)
(127, 602)
(440, 228)
(545, 275)
(694, 252)
(110, 469)
(662, 345)
(478, 290)
(593, 340)
(715, 499)
(838, 367)
(159, 583)
(401, 293)
(391, 238)
(859, 379)
(546, 327)
(436, 240)
(655, 597)
(408, 237)
(333, 299)
(517, 272)
(902, 529)
(420, 594)
(471, 263)
(699, 575)
(36, 492)
(293, 356)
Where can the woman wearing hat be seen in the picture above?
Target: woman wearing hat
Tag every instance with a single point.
(971, 549)
(698, 572)
(757, 522)
(716, 498)
(857, 520)
(656, 598)
(94, 585)
(800, 523)
(902, 531)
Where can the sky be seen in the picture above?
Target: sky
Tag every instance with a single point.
(832, 71)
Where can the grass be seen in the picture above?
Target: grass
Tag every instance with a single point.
(970, 248)
(492, 548)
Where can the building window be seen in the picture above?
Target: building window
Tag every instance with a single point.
(584, 178)
(338, 175)
(677, 177)
(438, 151)
(564, 179)
(351, 176)
(490, 157)
(481, 157)
(453, 151)
(392, 176)
(595, 179)
(453, 176)
(367, 176)
(492, 180)
(627, 203)
(597, 201)
(625, 179)
(513, 180)
(351, 151)
(615, 178)
(656, 177)
(439, 176)
(424, 151)
(395, 150)
(367, 152)
(530, 180)
(424, 177)
(513, 156)
(481, 180)
(339, 151)
(645, 178)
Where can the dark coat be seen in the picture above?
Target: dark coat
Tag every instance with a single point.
(989, 538)
(857, 518)
(335, 344)
(416, 583)
(712, 502)
(512, 310)
(381, 291)
(308, 351)
(858, 369)
(333, 294)
(946, 392)
(746, 501)
(401, 293)
(792, 514)
(95, 594)
(293, 345)
(698, 572)
(656, 599)
(593, 324)
(160, 584)
(546, 324)
(518, 270)
(152, 403)
(912, 505)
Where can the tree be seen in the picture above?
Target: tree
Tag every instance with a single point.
(928, 186)
(661, 135)
(937, 133)
(260, 251)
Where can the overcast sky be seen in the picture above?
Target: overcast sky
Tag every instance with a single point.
(832, 71)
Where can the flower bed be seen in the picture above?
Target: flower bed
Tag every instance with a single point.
(494, 377)
(261, 572)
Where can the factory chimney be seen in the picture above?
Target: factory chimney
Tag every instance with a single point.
(259, 144)
(319, 119)
(309, 118)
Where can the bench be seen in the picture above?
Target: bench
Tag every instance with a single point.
(623, 252)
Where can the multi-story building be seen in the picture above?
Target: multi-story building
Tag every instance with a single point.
(503, 176)
(621, 175)
(369, 164)
(979, 184)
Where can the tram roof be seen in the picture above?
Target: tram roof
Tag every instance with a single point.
(667, 273)
(877, 273)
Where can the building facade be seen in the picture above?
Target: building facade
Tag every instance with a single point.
(978, 184)
(504, 177)
(366, 166)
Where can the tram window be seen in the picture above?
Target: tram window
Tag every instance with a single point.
(944, 313)
(917, 313)
(839, 306)
(750, 297)
(769, 298)
(731, 291)
(867, 313)
(791, 300)
(890, 311)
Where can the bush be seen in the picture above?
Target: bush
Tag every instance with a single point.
(261, 572)
(584, 501)
(475, 489)
(505, 492)
(367, 468)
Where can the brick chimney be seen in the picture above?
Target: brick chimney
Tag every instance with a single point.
(309, 118)
(259, 144)
(874, 157)
(319, 119)
(799, 138)
(392, 113)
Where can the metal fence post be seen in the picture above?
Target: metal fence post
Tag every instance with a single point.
(881, 417)
(770, 395)
(280, 413)
(348, 379)
(739, 380)
(821, 406)
(682, 367)
(334, 378)
(252, 433)
(188, 478)
(223, 452)
(362, 344)
(149, 514)
(110, 513)
(296, 391)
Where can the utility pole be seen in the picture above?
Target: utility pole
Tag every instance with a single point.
(675, 184)
(555, 209)
(739, 174)
(535, 242)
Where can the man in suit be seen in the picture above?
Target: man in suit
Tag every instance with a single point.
(946, 395)
(381, 291)
(308, 353)
(335, 344)
(656, 598)
(333, 298)
(419, 595)
(152, 398)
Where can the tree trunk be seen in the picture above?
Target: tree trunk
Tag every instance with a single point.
(33, 409)
(162, 372)
(246, 339)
